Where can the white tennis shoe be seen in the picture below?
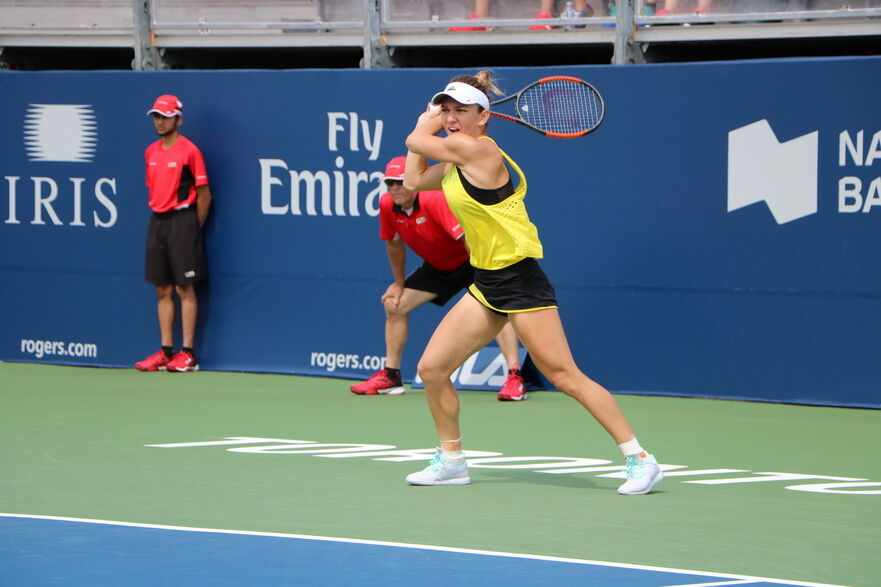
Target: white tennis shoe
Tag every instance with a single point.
(441, 471)
(643, 473)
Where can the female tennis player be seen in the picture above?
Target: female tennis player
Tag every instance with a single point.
(476, 177)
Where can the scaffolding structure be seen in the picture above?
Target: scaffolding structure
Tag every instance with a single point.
(381, 27)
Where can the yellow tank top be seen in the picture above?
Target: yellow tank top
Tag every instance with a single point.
(498, 235)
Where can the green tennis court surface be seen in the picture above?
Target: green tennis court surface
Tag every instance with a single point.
(787, 492)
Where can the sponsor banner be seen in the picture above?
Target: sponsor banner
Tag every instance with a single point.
(716, 236)
(484, 370)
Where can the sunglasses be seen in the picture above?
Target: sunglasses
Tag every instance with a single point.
(391, 182)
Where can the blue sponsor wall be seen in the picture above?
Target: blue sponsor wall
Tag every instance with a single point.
(661, 288)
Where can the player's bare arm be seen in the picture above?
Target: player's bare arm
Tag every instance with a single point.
(454, 148)
(420, 176)
(485, 167)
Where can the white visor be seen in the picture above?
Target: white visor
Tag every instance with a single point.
(463, 94)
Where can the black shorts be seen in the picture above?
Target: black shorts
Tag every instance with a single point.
(520, 287)
(445, 284)
(175, 254)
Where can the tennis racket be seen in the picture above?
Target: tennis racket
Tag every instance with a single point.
(559, 106)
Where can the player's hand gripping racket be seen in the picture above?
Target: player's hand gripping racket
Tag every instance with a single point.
(558, 106)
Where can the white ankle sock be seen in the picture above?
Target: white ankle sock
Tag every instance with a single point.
(455, 456)
(631, 447)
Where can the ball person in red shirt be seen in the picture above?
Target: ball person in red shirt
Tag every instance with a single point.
(180, 199)
(424, 222)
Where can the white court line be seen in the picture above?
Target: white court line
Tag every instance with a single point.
(741, 578)
(743, 582)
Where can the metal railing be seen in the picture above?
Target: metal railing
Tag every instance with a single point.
(380, 25)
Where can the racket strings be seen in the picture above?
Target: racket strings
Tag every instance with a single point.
(561, 106)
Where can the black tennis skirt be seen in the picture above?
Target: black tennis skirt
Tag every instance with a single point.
(521, 287)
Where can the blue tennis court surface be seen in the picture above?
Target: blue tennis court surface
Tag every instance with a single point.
(43, 550)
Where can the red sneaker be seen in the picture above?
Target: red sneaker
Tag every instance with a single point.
(541, 27)
(474, 16)
(379, 384)
(513, 389)
(155, 362)
(182, 362)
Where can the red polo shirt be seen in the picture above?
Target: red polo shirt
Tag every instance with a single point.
(430, 229)
(173, 174)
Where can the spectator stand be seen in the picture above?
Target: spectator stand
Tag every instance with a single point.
(379, 28)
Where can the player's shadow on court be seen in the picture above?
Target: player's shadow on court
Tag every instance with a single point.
(578, 481)
(534, 478)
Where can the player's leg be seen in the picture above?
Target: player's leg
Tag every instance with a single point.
(467, 327)
(513, 388)
(542, 334)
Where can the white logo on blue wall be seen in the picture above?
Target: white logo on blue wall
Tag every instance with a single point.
(762, 169)
(60, 132)
(485, 369)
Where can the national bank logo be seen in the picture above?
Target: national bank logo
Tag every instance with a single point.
(60, 132)
(762, 169)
